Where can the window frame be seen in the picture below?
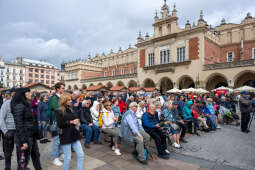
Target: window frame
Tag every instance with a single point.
(253, 53)
(233, 56)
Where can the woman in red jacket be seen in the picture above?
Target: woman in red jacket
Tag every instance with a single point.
(122, 105)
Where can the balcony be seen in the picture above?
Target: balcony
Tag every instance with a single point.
(234, 64)
(109, 78)
(169, 67)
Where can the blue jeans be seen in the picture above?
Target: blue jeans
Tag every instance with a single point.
(57, 149)
(86, 128)
(79, 153)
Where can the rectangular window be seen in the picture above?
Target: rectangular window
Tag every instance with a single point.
(42, 76)
(36, 80)
(113, 72)
(21, 71)
(30, 69)
(21, 78)
(151, 59)
(105, 74)
(42, 71)
(42, 81)
(7, 77)
(30, 75)
(230, 57)
(47, 82)
(36, 70)
(52, 77)
(36, 76)
(132, 70)
(30, 80)
(253, 53)
(122, 71)
(8, 70)
(165, 56)
(14, 71)
(52, 82)
(181, 54)
(47, 76)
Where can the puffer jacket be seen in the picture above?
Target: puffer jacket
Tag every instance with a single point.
(85, 116)
(25, 122)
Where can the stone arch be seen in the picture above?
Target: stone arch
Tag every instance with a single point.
(69, 87)
(109, 85)
(84, 86)
(216, 80)
(148, 83)
(246, 77)
(165, 84)
(75, 87)
(132, 83)
(185, 82)
(91, 84)
(120, 83)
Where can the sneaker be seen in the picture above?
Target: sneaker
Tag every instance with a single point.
(176, 145)
(57, 162)
(197, 134)
(218, 127)
(117, 152)
(163, 157)
(61, 158)
(113, 148)
(167, 152)
(183, 141)
(142, 161)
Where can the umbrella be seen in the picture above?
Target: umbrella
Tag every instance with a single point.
(201, 91)
(245, 88)
(175, 90)
(223, 88)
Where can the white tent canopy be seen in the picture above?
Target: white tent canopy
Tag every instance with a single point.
(175, 90)
(223, 88)
(245, 88)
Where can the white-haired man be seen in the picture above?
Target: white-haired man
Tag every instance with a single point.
(131, 130)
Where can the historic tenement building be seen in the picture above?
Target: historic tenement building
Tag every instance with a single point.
(197, 55)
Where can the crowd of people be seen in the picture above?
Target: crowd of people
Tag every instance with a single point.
(26, 117)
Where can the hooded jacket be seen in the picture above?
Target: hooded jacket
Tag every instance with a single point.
(187, 112)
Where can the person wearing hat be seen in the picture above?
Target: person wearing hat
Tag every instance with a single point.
(245, 108)
(7, 126)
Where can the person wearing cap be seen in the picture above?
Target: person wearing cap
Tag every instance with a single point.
(7, 126)
(245, 108)
(131, 130)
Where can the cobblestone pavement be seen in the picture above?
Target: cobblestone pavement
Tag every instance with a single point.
(225, 149)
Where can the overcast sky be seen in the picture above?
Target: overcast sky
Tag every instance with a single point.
(57, 30)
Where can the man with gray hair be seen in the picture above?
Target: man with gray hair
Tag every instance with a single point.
(76, 105)
(87, 124)
(131, 130)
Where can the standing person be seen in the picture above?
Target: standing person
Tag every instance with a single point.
(7, 125)
(76, 100)
(43, 117)
(87, 124)
(122, 105)
(53, 106)
(245, 108)
(109, 120)
(68, 122)
(35, 103)
(26, 128)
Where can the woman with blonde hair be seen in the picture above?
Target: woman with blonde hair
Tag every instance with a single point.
(108, 126)
(68, 122)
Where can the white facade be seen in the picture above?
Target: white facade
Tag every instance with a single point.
(14, 75)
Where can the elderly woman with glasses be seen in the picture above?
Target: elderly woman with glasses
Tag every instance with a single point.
(108, 127)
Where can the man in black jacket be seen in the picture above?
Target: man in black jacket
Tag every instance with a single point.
(87, 124)
(245, 108)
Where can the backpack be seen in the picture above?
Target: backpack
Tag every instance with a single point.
(145, 155)
(100, 121)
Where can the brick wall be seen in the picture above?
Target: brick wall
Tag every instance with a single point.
(142, 58)
(217, 54)
(194, 48)
(212, 52)
(118, 69)
(91, 74)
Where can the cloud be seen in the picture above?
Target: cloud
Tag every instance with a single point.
(65, 30)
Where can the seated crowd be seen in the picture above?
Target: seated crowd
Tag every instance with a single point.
(133, 117)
